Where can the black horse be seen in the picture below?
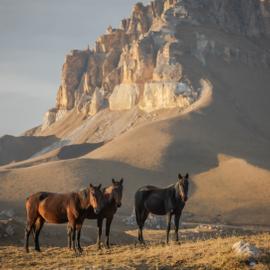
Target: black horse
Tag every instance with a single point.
(161, 201)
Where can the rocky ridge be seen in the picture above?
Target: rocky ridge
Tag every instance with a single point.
(140, 64)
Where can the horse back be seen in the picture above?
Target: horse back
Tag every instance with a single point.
(142, 194)
(53, 207)
(155, 200)
(34, 199)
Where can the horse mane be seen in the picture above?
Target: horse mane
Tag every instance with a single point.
(83, 193)
(176, 189)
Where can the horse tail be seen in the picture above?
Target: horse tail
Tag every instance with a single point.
(139, 206)
(32, 204)
(136, 206)
(27, 206)
(31, 209)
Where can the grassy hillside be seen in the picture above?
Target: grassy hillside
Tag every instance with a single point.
(201, 254)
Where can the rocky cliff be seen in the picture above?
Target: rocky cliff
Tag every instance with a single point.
(142, 63)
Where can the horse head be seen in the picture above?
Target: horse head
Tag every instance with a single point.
(96, 198)
(117, 191)
(183, 186)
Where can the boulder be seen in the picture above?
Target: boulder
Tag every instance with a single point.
(246, 249)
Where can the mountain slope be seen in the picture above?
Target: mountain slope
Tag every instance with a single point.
(165, 121)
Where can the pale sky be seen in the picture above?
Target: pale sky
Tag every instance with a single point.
(35, 36)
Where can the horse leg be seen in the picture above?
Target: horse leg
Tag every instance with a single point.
(108, 227)
(141, 216)
(169, 217)
(99, 224)
(38, 226)
(72, 226)
(34, 232)
(28, 229)
(176, 224)
(69, 234)
(73, 237)
(79, 228)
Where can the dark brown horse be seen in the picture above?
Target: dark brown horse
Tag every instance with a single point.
(59, 208)
(112, 197)
(161, 201)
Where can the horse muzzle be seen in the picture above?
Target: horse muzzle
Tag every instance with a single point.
(119, 205)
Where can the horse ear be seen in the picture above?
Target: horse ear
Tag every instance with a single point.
(99, 186)
(121, 181)
(113, 181)
(180, 176)
(187, 176)
(91, 186)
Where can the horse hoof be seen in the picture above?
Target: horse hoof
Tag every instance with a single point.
(27, 250)
(37, 250)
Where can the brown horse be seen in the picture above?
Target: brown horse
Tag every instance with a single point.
(59, 208)
(112, 197)
(161, 201)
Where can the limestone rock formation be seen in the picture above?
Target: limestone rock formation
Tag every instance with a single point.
(162, 95)
(96, 102)
(143, 63)
(124, 97)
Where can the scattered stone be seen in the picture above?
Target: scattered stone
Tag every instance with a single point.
(7, 223)
(246, 249)
(9, 213)
(10, 230)
(251, 262)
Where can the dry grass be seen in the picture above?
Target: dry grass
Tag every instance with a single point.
(208, 254)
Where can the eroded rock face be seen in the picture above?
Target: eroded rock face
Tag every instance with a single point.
(141, 63)
(52, 116)
(96, 102)
(164, 95)
(71, 76)
(124, 97)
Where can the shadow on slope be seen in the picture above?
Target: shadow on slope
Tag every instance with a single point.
(13, 149)
(77, 150)
(235, 124)
(225, 194)
(61, 153)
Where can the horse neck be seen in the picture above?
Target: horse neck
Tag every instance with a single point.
(107, 193)
(84, 198)
(176, 192)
